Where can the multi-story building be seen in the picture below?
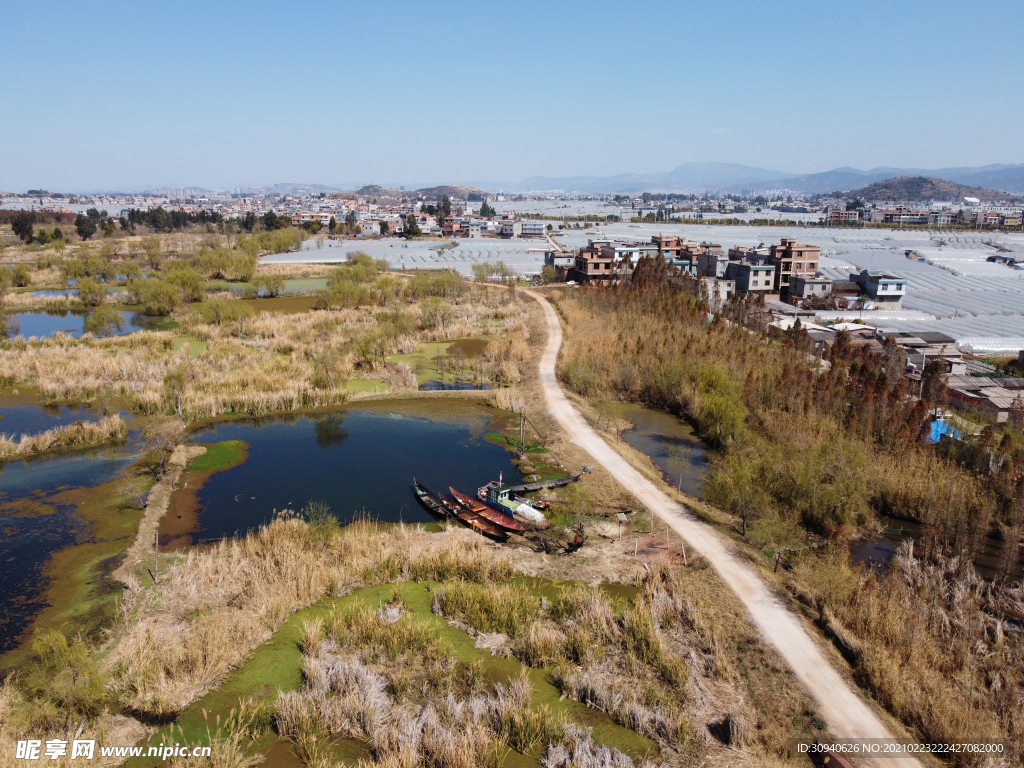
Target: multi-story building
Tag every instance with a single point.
(718, 291)
(802, 287)
(669, 246)
(792, 259)
(510, 228)
(593, 266)
(751, 278)
(534, 229)
(713, 264)
(886, 290)
(842, 215)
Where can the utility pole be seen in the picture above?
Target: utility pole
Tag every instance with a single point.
(156, 557)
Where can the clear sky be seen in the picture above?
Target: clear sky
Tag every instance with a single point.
(220, 94)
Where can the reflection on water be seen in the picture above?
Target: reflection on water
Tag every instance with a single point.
(43, 323)
(879, 552)
(25, 548)
(359, 460)
(27, 542)
(25, 416)
(670, 442)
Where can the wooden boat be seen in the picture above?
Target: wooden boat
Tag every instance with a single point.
(535, 503)
(541, 484)
(429, 500)
(473, 520)
(504, 519)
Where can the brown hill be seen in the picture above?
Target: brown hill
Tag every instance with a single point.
(923, 188)
(457, 191)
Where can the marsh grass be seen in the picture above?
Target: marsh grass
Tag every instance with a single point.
(505, 608)
(80, 434)
(214, 606)
(265, 363)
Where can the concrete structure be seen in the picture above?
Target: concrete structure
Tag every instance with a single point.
(791, 260)
(534, 229)
(669, 246)
(751, 278)
(626, 252)
(886, 290)
(843, 216)
(809, 287)
(718, 291)
(995, 397)
(509, 228)
(713, 264)
(593, 266)
(370, 228)
(559, 259)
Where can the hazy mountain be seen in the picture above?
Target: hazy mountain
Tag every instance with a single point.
(1005, 178)
(690, 177)
(914, 188)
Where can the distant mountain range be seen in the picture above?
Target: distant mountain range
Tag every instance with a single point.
(735, 178)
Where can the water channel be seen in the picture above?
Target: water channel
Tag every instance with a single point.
(44, 323)
(669, 441)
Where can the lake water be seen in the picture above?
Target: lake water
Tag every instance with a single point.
(44, 324)
(27, 542)
(25, 416)
(669, 441)
(360, 460)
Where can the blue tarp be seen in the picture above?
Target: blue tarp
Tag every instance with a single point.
(940, 428)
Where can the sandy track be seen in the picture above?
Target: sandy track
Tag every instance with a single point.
(845, 711)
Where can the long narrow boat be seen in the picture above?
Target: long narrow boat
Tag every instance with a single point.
(474, 505)
(542, 484)
(429, 500)
(496, 496)
(473, 520)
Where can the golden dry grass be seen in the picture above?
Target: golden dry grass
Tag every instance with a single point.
(79, 434)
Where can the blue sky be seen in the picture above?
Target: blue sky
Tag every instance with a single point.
(221, 94)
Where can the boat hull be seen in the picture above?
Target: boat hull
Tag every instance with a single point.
(504, 519)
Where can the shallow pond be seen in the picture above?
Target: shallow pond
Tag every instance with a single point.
(360, 460)
(879, 552)
(670, 442)
(32, 527)
(42, 323)
(20, 415)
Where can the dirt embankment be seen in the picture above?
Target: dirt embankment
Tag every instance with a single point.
(847, 715)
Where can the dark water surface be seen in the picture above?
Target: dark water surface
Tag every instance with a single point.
(879, 552)
(42, 323)
(670, 442)
(27, 542)
(26, 416)
(360, 460)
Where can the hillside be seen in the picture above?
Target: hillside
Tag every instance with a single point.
(923, 188)
(458, 191)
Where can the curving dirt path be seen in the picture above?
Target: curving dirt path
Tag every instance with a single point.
(846, 713)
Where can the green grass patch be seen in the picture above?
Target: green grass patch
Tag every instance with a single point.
(366, 385)
(220, 456)
(195, 347)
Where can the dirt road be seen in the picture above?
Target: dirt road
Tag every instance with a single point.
(846, 713)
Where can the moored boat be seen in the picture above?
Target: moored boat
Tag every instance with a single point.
(504, 519)
(429, 499)
(498, 497)
(473, 520)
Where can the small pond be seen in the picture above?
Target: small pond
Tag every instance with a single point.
(879, 552)
(20, 415)
(360, 460)
(670, 442)
(42, 323)
(28, 538)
